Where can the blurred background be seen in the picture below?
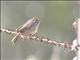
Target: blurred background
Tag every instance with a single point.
(56, 23)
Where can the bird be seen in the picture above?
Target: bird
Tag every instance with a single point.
(27, 29)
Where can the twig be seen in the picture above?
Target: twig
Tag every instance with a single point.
(41, 39)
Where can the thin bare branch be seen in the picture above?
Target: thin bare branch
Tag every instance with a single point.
(41, 39)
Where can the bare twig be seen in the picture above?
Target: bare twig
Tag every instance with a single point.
(41, 39)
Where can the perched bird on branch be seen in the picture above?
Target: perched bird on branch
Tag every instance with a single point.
(27, 29)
